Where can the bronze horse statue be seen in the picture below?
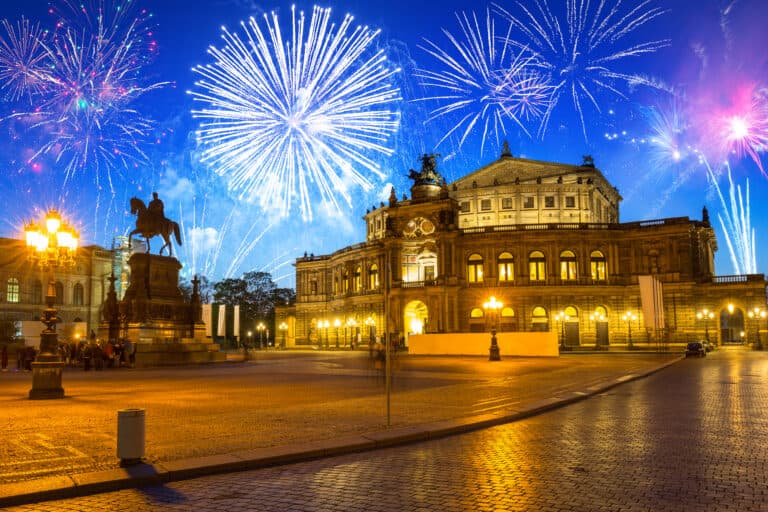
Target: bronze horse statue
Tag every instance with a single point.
(148, 226)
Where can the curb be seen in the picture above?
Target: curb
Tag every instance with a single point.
(141, 475)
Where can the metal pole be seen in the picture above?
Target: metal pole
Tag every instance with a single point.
(387, 367)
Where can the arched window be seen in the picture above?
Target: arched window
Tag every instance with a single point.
(539, 319)
(568, 266)
(335, 284)
(536, 266)
(345, 281)
(572, 313)
(358, 277)
(475, 268)
(507, 313)
(78, 295)
(476, 313)
(597, 265)
(506, 267)
(37, 292)
(59, 293)
(373, 277)
(12, 290)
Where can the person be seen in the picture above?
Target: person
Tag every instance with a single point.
(4, 358)
(156, 207)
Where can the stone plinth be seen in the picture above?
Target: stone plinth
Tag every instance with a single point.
(164, 329)
(46, 380)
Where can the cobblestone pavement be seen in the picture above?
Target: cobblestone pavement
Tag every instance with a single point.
(687, 438)
(276, 399)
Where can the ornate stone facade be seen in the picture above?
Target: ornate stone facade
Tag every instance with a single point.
(543, 238)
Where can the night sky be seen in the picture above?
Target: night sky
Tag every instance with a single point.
(660, 93)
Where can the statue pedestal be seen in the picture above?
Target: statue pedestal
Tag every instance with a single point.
(164, 329)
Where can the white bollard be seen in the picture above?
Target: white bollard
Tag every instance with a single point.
(130, 436)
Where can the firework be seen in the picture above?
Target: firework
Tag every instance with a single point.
(282, 116)
(742, 129)
(86, 81)
(735, 222)
(580, 48)
(22, 58)
(485, 82)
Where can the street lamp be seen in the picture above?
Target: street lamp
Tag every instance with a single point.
(250, 335)
(492, 308)
(562, 317)
(705, 315)
(597, 317)
(352, 324)
(337, 324)
(757, 314)
(261, 328)
(54, 245)
(629, 317)
(283, 328)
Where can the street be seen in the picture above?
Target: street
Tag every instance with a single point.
(686, 438)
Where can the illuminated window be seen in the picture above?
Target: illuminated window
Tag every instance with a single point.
(539, 319)
(345, 281)
(567, 266)
(597, 265)
(373, 277)
(506, 267)
(12, 290)
(358, 277)
(475, 268)
(78, 295)
(476, 313)
(485, 205)
(313, 287)
(507, 313)
(536, 266)
(464, 207)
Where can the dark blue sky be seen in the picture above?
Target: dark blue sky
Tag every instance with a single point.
(715, 48)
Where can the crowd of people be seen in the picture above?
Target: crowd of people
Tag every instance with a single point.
(97, 354)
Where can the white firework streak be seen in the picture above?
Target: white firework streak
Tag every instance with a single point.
(281, 116)
(486, 83)
(578, 51)
(22, 68)
(736, 223)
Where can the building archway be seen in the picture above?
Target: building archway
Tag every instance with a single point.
(732, 325)
(415, 318)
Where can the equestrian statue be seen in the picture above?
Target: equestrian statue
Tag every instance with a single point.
(151, 221)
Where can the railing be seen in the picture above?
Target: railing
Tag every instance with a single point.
(743, 278)
(575, 226)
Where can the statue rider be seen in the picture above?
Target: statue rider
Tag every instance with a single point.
(156, 208)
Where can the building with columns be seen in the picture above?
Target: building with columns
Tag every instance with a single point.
(543, 238)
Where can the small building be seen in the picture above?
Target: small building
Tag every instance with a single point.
(545, 239)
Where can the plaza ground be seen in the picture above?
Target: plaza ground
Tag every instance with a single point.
(277, 399)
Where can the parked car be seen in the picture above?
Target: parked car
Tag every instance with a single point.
(695, 349)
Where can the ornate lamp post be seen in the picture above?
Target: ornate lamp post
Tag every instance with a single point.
(283, 328)
(261, 328)
(562, 318)
(53, 246)
(337, 324)
(492, 308)
(629, 317)
(705, 315)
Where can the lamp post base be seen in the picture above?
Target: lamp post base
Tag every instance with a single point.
(493, 351)
(46, 380)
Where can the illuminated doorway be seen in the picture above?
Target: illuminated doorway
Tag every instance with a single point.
(415, 318)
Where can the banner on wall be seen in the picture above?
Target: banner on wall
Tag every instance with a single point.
(652, 300)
